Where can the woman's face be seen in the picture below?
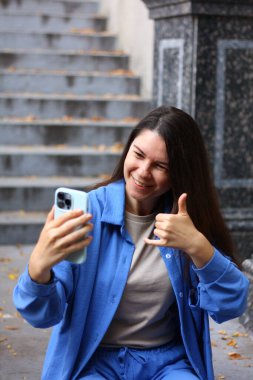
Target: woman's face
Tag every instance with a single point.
(146, 172)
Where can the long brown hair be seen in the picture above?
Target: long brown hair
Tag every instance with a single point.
(189, 171)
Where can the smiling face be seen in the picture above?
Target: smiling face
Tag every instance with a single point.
(146, 172)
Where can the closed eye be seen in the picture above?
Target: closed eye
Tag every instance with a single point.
(159, 164)
(138, 154)
(162, 167)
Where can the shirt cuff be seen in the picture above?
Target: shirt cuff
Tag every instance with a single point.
(33, 287)
(214, 269)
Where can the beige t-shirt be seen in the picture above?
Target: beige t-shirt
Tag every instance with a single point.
(144, 317)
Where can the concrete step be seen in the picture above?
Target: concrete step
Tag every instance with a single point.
(67, 105)
(64, 7)
(87, 106)
(50, 23)
(37, 193)
(21, 227)
(28, 131)
(58, 160)
(67, 41)
(57, 60)
(64, 81)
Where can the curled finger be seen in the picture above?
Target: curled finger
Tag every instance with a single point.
(74, 224)
(67, 216)
(75, 236)
(154, 242)
(76, 246)
(162, 234)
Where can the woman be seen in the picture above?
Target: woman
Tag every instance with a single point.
(138, 307)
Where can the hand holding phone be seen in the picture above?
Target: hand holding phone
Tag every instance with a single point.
(66, 200)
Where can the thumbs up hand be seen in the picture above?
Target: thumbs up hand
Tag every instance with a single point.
(174, 230)
(178, 231)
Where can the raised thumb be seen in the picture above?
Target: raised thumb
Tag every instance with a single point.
(182, 206)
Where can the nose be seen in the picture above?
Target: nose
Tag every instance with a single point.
(144, 169)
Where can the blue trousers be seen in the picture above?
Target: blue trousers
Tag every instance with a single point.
(167, 362)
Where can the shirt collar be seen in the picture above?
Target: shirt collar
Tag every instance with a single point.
(114, 209)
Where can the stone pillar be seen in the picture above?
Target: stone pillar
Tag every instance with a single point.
(203, 63)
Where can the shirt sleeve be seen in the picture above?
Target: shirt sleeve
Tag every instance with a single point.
(222, 289)
(43, 305)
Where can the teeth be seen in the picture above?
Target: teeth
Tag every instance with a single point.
(139, 183)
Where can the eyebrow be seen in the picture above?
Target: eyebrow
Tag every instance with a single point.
(158, 162)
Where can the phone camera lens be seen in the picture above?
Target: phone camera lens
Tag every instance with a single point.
(61, 204)
(64, 201)
(61, 196)
(68, 203)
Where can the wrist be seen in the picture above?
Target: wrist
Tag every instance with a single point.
(201, 250)
(40, 278)
(39, 275)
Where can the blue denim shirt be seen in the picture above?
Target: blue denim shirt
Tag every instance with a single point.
(81, 300)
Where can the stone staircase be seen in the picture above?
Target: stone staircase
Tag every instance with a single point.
(67, 104)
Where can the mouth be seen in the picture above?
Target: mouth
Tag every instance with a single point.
(140, 184)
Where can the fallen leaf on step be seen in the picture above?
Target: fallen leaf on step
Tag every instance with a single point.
(104, 176)
(232, 343)
(235, 356)
(117, 147)
(3, 339)
(6, 316)
(222, 332)
(59, 146)
(13, 276)
(11, 328)
(67, 118)
(5, 260)
(83, 31)
(11, 69)
(97, 118)
(121, 72)
(29, 118)
(100, 148)
(239, 334)
(130, 119)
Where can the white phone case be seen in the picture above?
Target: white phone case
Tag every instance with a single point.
(69, 199)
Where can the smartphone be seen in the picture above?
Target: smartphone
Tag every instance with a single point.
(66, 200)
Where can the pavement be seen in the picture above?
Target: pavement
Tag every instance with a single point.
(22, 347)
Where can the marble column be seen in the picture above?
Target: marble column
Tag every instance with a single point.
(203, 63)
